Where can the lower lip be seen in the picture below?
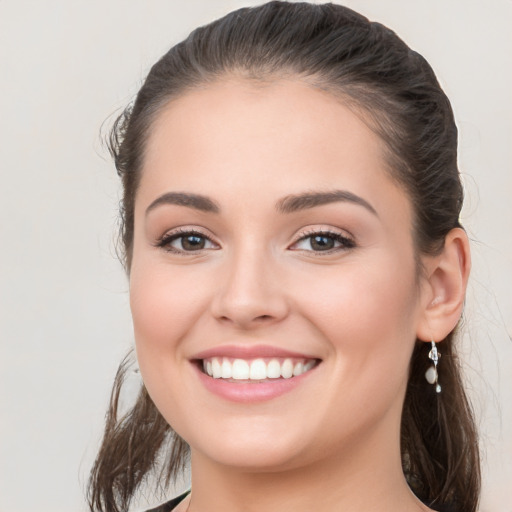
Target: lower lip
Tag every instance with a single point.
(247, 392)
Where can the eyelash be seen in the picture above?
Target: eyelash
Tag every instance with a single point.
(345, 242)
(166, 240)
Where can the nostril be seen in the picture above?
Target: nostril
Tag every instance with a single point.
(261, 318)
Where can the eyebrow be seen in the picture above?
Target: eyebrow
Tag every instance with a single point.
(288, 204)
(294, 203)
(195, 201)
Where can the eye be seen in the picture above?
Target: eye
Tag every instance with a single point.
(186, 241)
(323, 241)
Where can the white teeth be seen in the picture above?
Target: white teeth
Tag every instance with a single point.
(216, 368)
(240, 369)
(274, 369)
(308, 366)
(256, 369)
(287, 369)
(227, 369)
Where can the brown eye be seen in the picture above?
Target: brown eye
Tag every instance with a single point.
(323, 242)
(192, 242)
(186, 242)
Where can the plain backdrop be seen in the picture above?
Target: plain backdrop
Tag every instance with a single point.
(66, 66)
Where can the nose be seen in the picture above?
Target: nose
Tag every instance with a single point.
(251, 292)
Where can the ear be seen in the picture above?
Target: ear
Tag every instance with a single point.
(444, 287)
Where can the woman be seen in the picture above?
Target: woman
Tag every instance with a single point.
(297, 269)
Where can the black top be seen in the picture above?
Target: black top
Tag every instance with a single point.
(170, 505)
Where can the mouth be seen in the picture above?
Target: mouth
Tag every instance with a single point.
(253, 373)
(239, 370)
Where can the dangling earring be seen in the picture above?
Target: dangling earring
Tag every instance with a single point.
(431, 373)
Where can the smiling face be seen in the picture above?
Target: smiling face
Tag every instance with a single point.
(270, 240)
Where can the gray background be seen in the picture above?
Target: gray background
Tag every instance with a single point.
(65, 67)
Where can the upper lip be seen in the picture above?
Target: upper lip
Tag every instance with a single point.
(250, 352)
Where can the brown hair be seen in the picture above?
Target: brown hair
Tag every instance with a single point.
(396, 92)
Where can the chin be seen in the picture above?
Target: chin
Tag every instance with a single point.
(251, 449)
(256, 459)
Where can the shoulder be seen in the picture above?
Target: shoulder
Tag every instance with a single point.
(170, 505)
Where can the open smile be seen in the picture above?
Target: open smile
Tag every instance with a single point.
(259, 369)
(252, 374)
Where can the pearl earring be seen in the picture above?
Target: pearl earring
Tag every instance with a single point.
(431, 374)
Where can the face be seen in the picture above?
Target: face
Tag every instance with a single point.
(273, 283)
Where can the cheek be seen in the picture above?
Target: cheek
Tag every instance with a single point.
(366, 316)
(165, 303)
(367, 312)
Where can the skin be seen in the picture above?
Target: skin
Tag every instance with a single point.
(359, 308)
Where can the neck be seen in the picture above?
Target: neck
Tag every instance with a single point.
(366, 476)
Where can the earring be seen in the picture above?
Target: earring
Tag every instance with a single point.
(431, 374)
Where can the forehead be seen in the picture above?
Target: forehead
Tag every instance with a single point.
(257, 113)
(285, 136)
